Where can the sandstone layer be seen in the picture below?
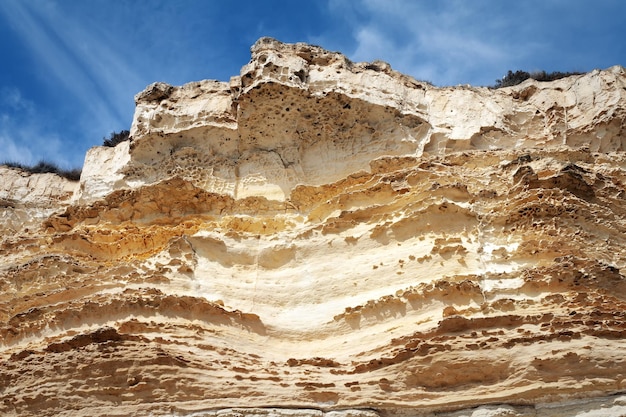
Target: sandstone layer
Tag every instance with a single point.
(318, 237)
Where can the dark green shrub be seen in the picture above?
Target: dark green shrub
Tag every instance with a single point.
(115, 138)
(517, 77)
(45, 167)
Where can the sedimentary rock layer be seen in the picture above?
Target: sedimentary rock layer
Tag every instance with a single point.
(323, 238)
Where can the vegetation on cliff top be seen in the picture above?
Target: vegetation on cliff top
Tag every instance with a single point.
(116, 138)
(517, 77)
(46, 167)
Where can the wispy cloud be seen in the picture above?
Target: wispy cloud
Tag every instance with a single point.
(70, 53)
(458, 41)
(438, 41)
(85, 79)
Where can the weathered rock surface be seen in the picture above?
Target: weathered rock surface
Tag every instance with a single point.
(324, 238)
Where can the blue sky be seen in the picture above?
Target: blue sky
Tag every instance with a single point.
(71, 67)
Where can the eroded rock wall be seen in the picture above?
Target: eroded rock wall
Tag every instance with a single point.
(319, 237)
(298, 114)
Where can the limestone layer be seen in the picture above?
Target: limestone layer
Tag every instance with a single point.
(318, 237)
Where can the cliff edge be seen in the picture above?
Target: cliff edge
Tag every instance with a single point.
(298, 114)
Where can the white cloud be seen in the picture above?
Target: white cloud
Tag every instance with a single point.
(446, 42)
(11, 98)
(26, 141)
(371, 42)
(25, 134)
(13, 152)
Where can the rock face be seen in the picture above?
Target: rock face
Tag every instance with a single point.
(318, 237)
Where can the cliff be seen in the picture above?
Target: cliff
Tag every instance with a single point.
(318, 237)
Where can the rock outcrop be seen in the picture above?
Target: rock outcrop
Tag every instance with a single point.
(318, 237)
